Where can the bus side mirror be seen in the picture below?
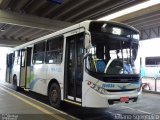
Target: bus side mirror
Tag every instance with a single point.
(87, 40)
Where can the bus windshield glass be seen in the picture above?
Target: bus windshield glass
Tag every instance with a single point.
(114, 50)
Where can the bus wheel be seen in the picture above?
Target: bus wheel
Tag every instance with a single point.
(54, 95)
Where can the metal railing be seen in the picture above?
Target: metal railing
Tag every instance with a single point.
(151, 84)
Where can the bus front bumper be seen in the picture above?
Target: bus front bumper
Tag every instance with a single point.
(96, 100)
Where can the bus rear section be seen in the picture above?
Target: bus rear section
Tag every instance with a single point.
(19, 67)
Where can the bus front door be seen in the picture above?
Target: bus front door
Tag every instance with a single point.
(25, 67)
(74, 68)
(28, 71)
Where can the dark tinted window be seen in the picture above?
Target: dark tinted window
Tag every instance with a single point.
(39, 47)
(152, 61)
(10, 60)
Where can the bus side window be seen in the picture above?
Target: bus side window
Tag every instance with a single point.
(39, 52)
(10, 60)
(17, 57)
(23, 58)
(54, 50)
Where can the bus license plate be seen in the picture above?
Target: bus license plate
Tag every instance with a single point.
(124, 99)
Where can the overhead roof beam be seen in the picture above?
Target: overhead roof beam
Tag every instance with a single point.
(9, 42)
(31, 21)
(136, 14)
(70, 8)
(87, 8)
(65, 7)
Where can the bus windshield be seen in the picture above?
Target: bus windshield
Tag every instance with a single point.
(113, 53)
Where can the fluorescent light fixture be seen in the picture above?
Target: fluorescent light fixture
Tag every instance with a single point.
(131, 9)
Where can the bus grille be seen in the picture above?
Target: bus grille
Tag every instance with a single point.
(121, 79)
(121, 90)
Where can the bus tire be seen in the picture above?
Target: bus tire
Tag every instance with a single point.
(55, 95)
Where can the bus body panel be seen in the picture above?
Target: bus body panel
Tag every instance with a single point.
(55, 71)
(92, 98)
(38, 82)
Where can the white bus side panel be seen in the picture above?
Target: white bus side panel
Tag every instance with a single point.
(38, 82)
(56, 71)
(40, 76)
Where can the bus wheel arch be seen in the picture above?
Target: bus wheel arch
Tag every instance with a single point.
(54, 93)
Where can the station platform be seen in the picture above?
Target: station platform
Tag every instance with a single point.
(16, 106)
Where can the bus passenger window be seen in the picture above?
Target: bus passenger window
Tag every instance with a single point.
(54, 50)
(17, 58)
(38, 53)
(23, 58)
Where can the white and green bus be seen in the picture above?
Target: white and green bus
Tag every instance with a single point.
(91, 64)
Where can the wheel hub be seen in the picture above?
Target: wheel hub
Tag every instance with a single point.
(54, 95)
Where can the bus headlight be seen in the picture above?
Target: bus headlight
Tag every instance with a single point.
(97, 88)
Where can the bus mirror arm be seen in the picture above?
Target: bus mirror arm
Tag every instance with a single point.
(86, 55)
